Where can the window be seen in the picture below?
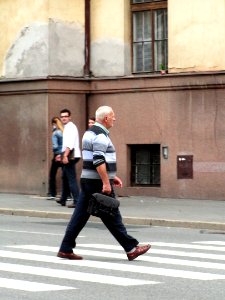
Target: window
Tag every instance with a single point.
(145, 165)
(150, 50)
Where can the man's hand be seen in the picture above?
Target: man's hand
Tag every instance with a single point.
(58, 157)
(65, 160)
(117, 182)
(106, 188)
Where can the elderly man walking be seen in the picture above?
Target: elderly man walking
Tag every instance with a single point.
(99, 176)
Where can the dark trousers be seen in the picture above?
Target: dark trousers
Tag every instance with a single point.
(52, 177)
(80, 218)
(69, 181)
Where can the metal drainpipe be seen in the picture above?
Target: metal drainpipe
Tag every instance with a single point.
(87, 72)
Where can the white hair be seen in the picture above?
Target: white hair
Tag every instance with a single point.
(102, 111)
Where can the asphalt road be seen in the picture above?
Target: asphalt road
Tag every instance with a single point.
(183, 263)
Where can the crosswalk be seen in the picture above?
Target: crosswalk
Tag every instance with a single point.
(108, 265)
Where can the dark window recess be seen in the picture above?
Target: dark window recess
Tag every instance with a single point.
(145, 165)
(185, 167)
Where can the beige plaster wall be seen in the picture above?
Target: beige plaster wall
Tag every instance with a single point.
(36, 35)
(15, 15)
(196, 35)
(110, 38)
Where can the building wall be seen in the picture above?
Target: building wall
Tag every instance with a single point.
(46, 37)
(41, 38)
(26, 109)
(110, 41)
(196, 31)
(23, 140)
(186, 113)
(181, 112)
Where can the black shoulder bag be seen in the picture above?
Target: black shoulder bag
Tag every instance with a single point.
(102, 205)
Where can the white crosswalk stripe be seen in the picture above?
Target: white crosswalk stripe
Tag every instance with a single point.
(200, 261)
(217, 243)
(30, 286)
(72, 275)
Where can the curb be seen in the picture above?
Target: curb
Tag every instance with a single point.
(174, 223)
(126, 220)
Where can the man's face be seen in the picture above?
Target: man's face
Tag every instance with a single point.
(109, 120)
(65, 118)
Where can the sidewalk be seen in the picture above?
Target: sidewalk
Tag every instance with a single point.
(141, 210)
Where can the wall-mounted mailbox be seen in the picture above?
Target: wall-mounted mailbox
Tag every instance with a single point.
(185, 167)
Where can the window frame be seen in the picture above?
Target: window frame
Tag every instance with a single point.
(154, 151)
(141, 7)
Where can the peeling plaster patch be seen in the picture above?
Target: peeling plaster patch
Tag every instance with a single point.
(110, 57)
(28, 56)
(66, 47)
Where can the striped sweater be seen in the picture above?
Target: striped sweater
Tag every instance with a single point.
(97, 149)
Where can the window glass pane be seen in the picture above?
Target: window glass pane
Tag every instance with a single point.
(143, 175)
(160, 46)
(142, 30)
(138, 25)
(150, 49)
(147, 26)
(138, 57)
(159, 24)
(142, 156)
(159, 55)
(145, 165)
(165, 24)
(142, 33)
(147, 57)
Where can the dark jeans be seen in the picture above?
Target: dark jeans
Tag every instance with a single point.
(69, 180)
(80, 218)
(52, 177)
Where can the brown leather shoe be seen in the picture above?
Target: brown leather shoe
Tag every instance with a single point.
(69, 255)
(138, 251)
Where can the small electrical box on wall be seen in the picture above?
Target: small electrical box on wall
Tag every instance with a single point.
(185, 167)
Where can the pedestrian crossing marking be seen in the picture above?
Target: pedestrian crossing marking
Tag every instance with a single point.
(116, 261)
(162, 252)
(110, 265)
(72, 275)
(218, 243)
(36, 232)
(160, 244)
(29, 286)
(145, 270)
(187, 246)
